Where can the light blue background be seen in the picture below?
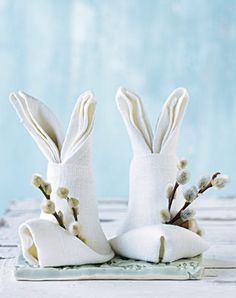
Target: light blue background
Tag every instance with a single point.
(55, 50)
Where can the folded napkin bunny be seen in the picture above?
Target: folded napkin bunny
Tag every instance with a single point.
(69, 165)
(154, 162)
(153, 166)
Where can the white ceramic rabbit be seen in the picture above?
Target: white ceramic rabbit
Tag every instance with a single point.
(69, 165)
(153, 166)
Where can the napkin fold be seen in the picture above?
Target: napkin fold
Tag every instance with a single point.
(145, 243)
(48, 245)
(69, 161)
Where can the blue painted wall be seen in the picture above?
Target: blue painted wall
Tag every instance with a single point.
(54, 50)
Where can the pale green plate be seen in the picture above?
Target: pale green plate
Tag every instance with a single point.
(117, 268)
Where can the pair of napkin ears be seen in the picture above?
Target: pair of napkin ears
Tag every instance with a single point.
(143, 139)
(45, 129)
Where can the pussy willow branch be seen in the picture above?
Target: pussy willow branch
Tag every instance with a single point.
(209, 185)
(74, 211)
(55, 214)
(59, 220)
(177, 216)
(44, 193)
(172, 195)
(186, 204)
(75, 214)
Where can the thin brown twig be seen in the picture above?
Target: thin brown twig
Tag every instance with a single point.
(202, 190)
(186, 204)
(44, 193)
(55, 214)
(172, 195)
(74, 211)
(60, 222)
(75, 214)
(177, 216)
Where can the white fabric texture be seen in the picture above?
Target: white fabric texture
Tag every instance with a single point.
(153, 166)
(154, 163)
(48, 245)
(69, 161)
(144, 243)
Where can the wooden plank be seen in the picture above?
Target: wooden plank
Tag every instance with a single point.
(32, 204)
(204, 203)
(8, 252)
(11, 222)
(219, 233)
(220, 256)
(215, 202)
(227, 276)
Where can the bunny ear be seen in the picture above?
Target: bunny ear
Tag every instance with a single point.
(170, 120)
(80, 126)
(133, 114)
(41, 124)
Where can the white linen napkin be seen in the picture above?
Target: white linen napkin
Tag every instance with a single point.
(144, 243)
(69, 161)
(153, 166)
(48, 245)
(154, 162)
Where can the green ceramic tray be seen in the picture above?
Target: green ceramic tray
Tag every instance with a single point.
(117, 268)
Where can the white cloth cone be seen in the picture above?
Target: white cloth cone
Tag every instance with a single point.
(69, 160)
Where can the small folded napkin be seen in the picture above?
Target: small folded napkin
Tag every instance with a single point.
(153, 166)
(159, 243)
(69, 164)
(48, 245)
(154, 163)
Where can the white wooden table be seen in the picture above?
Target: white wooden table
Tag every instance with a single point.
(216, 216)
